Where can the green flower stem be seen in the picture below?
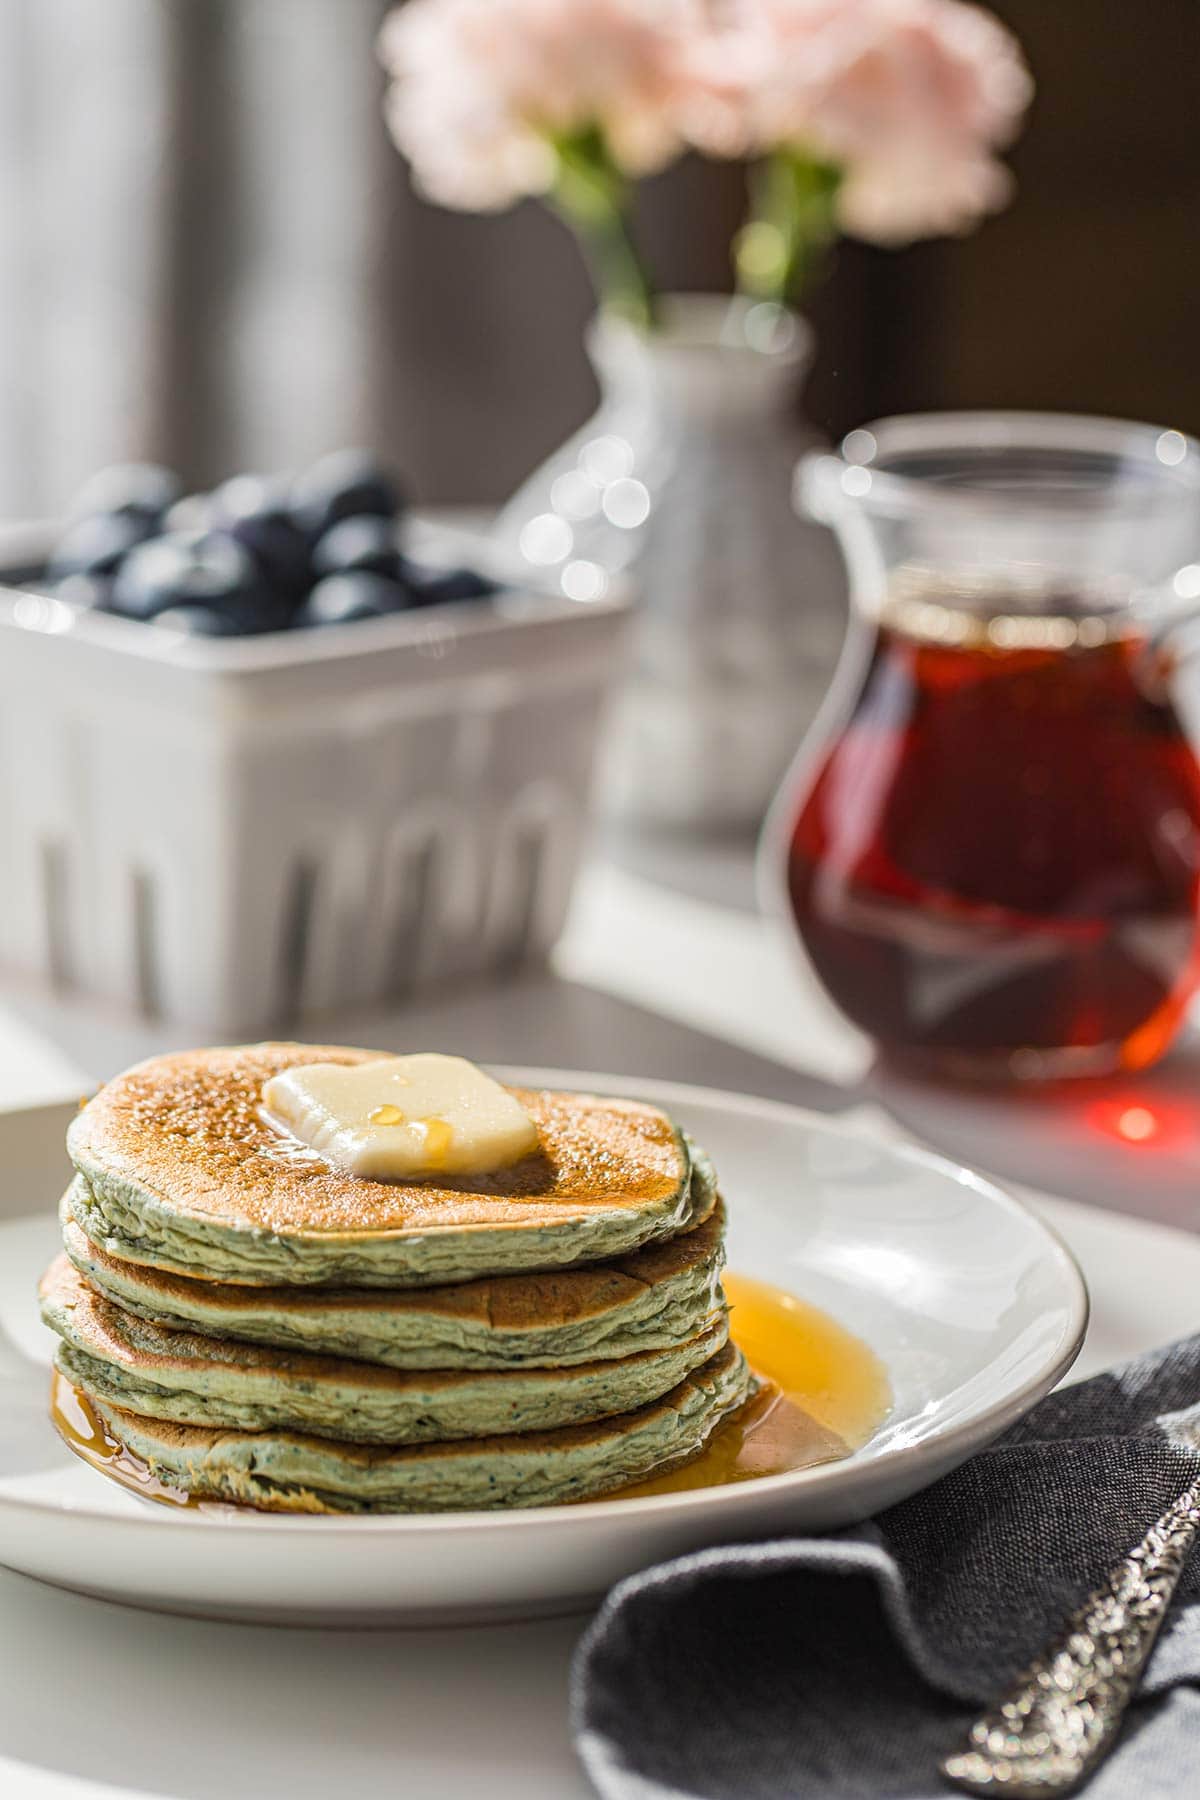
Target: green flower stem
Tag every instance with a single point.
(785, 241)
(593, 197)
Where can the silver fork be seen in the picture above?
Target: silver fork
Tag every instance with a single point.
(1062, 1716)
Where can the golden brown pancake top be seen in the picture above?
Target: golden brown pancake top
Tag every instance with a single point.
(187, 1129)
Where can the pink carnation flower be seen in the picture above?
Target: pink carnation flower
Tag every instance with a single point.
(480, 88)
(909, 98)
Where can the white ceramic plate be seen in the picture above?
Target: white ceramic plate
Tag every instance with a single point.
(975, 1307)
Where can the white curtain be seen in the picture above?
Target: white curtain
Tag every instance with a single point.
(209, 254)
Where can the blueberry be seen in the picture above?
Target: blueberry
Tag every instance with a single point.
(89, 592)
(364, 543)
(343, 485)
(279, 552)
(255, 512)
(193, 513)
(244, 496)
(205, 568)
(432, 587)
(96, 546)
(359, 595)
(129, 490)
(184, 567)
(196, 621)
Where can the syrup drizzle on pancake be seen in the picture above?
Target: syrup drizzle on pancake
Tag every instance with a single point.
(81, 1429)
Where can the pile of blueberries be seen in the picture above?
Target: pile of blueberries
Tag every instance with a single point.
(257, 554)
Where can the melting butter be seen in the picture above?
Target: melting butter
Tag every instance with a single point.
(386, 1115)
(402, 1117)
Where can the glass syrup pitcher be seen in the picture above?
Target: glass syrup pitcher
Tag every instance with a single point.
(991, 847)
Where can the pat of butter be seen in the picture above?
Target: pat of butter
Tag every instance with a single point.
(402, 1117)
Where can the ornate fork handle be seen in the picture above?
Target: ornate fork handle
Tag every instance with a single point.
(1063, 1714)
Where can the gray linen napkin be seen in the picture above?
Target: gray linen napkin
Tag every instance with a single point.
(846, 1667)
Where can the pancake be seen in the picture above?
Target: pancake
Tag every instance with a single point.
(286, 1472)
(659, 1296)
(194, 1380)
(180, 1171)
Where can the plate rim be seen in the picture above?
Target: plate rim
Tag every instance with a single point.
(734, 1497)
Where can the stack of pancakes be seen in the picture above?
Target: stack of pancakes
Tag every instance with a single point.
(258, 1326)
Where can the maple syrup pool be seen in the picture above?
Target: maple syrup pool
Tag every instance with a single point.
(824, 1394)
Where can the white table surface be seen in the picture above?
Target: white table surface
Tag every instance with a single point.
(665, 970)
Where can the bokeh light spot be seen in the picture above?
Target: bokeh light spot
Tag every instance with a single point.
(606, 459)
(1170, 447)
(584, 581)
(546, 539)
(1137, 1124)
(627, 504)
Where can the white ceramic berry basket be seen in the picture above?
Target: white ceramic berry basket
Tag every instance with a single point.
(235, 833)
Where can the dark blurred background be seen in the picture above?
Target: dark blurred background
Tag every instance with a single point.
(210, 254)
